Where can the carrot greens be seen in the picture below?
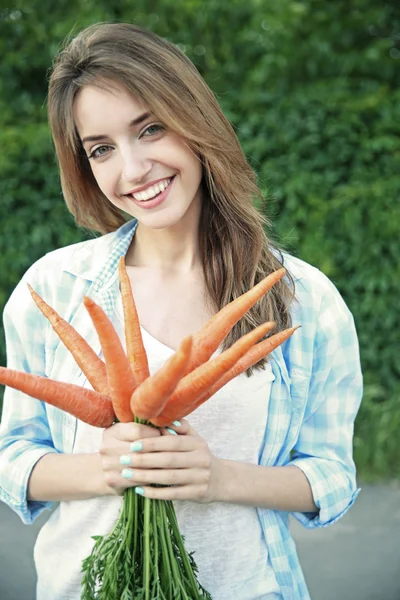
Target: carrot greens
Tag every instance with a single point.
(142, 558)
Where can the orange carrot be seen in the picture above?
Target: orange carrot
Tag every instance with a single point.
(196, 383)
(87, 405)
(87, 360)
(119, 373)
(134, 343)
(249, 359)
(149, 399)
(255, 354)
(208, 338)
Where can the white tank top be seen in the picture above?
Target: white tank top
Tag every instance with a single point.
(227, 540)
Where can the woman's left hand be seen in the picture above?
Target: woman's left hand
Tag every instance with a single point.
(182, 462)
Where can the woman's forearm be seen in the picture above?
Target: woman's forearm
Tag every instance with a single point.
(275, 488)
(57, 477)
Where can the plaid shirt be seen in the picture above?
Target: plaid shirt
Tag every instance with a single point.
(314, 398)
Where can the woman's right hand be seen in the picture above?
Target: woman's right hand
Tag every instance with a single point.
(116, 442)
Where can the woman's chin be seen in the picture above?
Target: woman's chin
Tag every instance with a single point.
(168, 220)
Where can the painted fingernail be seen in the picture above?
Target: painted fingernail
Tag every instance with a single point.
(127, 473)
(136, 446)
(124, 459)
(139, 490)
(177, 423)
(171, 431)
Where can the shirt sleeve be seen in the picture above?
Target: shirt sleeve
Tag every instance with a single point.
(24, 429)
(324, 449)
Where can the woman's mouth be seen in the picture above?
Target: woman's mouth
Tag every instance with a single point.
(154, 195)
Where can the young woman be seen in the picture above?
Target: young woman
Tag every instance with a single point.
(147, 158)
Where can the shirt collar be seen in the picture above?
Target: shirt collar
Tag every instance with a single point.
(97, 260)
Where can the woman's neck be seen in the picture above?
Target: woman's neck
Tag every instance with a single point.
(169, 249)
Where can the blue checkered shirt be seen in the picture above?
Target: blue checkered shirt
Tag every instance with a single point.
(314, 398)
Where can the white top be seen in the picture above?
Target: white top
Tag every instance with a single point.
(226, 539)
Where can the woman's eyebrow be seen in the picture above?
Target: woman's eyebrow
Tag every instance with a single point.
(133, 123)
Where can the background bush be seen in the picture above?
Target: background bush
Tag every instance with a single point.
(312, 89)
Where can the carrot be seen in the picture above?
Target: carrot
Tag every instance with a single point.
(87, 405)
(196, 383)
(119, 373)
(208, 338)
(249, 359)
(149, 399)
(134, 343)
(255, 354)
(87, 360)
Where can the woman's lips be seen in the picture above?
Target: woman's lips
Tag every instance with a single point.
(153, 202)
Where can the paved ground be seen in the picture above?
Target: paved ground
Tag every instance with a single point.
(357, 559)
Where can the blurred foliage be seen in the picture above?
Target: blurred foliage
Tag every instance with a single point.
(312, 89)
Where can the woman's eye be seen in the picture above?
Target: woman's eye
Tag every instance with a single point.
(153, 129)
(99, 151)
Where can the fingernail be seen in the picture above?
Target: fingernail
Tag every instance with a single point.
(177, 423)
(136, 446)
(139, 490)
(124, 459)
(127, 473)
(171, 431)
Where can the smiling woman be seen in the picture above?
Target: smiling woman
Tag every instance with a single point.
(148, 159)
(136, 154)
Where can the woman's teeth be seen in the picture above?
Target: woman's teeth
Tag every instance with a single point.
(152, 191)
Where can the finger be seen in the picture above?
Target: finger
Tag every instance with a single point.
(194, 492)
(181, 427)
(159, 460)
(129, 432)
(169, 443)
(124, 438)
(131, 454)
(166, 476)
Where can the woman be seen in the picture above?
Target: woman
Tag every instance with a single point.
(147, 158)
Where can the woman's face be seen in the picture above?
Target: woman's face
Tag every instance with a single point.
(142, 168)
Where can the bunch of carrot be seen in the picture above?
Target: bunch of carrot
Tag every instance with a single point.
(152, 562)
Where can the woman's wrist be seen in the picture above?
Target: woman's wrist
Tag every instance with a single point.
(57, 477)
(275, 488)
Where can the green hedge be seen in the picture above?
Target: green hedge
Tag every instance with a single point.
(312, 90)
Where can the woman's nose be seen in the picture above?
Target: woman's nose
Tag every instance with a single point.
(135, 165)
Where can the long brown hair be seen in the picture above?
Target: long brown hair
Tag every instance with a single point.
(235, 250)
